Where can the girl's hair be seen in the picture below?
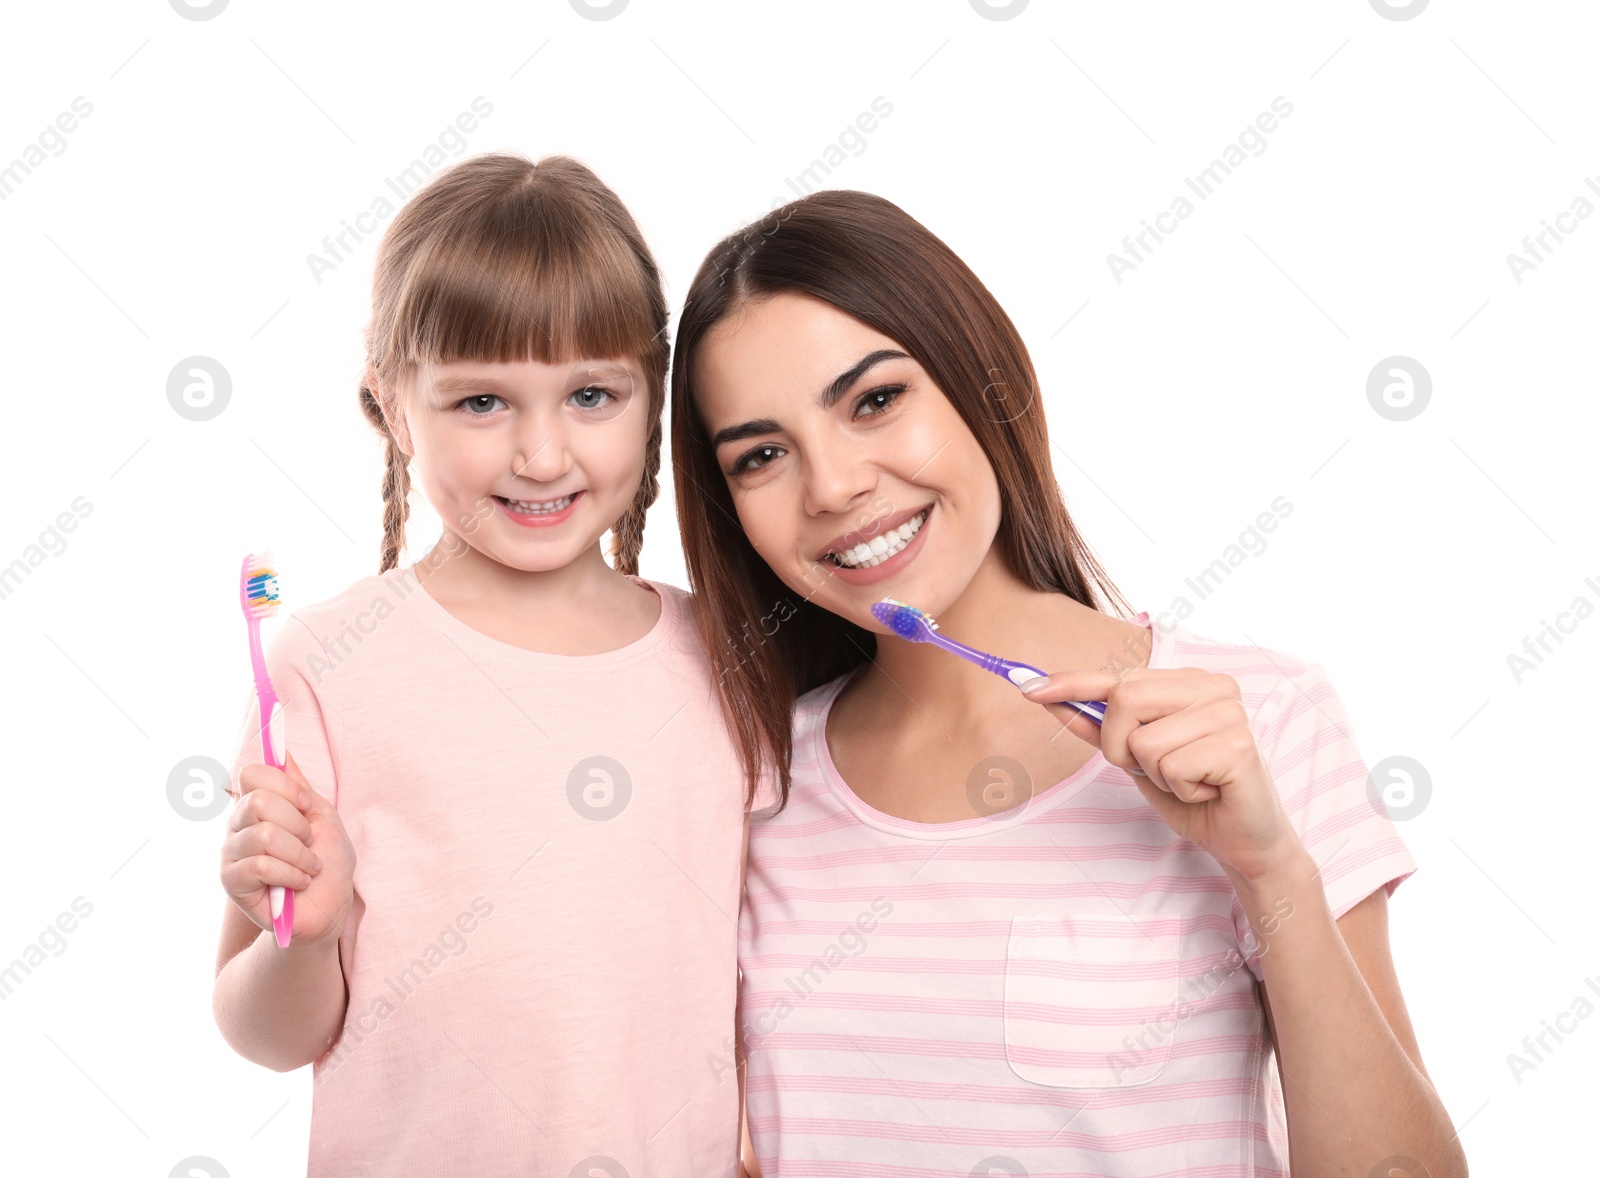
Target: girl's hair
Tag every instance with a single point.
(868, 258)
(501, 259)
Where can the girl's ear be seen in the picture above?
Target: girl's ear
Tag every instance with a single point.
(394, 414)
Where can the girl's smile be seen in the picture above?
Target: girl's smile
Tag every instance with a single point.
(539, 513)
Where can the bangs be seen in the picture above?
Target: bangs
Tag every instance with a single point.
(553, 283)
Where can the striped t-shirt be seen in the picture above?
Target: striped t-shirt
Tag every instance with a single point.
(1062, 988)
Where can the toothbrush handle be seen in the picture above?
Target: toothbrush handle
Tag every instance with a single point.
(273, 749)
(1020, 673)
(1017, 673)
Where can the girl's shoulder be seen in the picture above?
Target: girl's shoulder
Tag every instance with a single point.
(319, 636)
(378, 593)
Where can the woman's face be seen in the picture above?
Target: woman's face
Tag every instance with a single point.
(829, 436)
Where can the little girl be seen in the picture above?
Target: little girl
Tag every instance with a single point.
(512, 814)
(983, 936)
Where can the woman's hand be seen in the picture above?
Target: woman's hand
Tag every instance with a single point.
(275, 839)
(1186, 730)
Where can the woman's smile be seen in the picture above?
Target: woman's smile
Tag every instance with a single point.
(888, 552)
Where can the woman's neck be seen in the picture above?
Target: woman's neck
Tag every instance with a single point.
(1001, 615)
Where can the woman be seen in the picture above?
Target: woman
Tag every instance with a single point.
(982, 935)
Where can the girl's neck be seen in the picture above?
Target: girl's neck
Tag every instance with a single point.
(583, 607)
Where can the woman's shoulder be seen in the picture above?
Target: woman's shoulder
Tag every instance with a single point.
(812, 702)
(1243, 658)
(812, 707)
(1271, 680)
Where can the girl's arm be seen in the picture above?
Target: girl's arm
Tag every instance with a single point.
(280, 1008)
(747, 1152)
(284, 1008)
(1353, 1081)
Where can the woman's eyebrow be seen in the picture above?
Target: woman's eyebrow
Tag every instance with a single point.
(841, 383)
(830, 396)
(747, 429)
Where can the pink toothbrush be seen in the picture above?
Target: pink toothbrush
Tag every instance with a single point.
(258, 597)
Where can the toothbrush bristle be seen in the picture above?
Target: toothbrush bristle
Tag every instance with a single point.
(258, 584)
(907, 621)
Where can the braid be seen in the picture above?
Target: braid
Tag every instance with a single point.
(396, 485)
(396, 506)
(627, 534)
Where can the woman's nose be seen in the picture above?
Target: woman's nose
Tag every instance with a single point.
(835, 478)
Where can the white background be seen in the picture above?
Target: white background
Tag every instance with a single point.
(1228, 369)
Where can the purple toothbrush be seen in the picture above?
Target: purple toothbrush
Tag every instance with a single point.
(914, 625)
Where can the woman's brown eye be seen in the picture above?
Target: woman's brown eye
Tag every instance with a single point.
(744, 463)
(890, 391)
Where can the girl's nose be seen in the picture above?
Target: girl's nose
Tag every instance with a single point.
(541, 456)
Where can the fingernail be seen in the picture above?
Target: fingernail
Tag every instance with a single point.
(1035, 684)
(317, 863)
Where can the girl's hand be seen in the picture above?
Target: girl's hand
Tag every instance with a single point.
(1187, 731)
(273, 839)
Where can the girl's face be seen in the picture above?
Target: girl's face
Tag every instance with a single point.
(829, 436)
(528, 462)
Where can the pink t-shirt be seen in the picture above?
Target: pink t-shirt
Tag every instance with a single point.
(1063, 988)
(541, 959)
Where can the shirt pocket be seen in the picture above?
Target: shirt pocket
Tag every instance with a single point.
(1091, 999)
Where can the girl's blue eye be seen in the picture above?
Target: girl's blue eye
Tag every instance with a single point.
(482, 404)
(595, 389)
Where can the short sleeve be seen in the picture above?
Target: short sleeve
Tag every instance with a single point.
(302, 675)
(1309, 747)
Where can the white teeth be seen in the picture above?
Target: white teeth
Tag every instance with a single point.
(530, 507)
(880, 548)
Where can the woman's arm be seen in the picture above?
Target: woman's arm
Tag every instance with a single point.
(1354, 1084)
(1355, 1094)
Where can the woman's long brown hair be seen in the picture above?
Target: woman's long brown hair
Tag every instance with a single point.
(866, 257)
(498, 258)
